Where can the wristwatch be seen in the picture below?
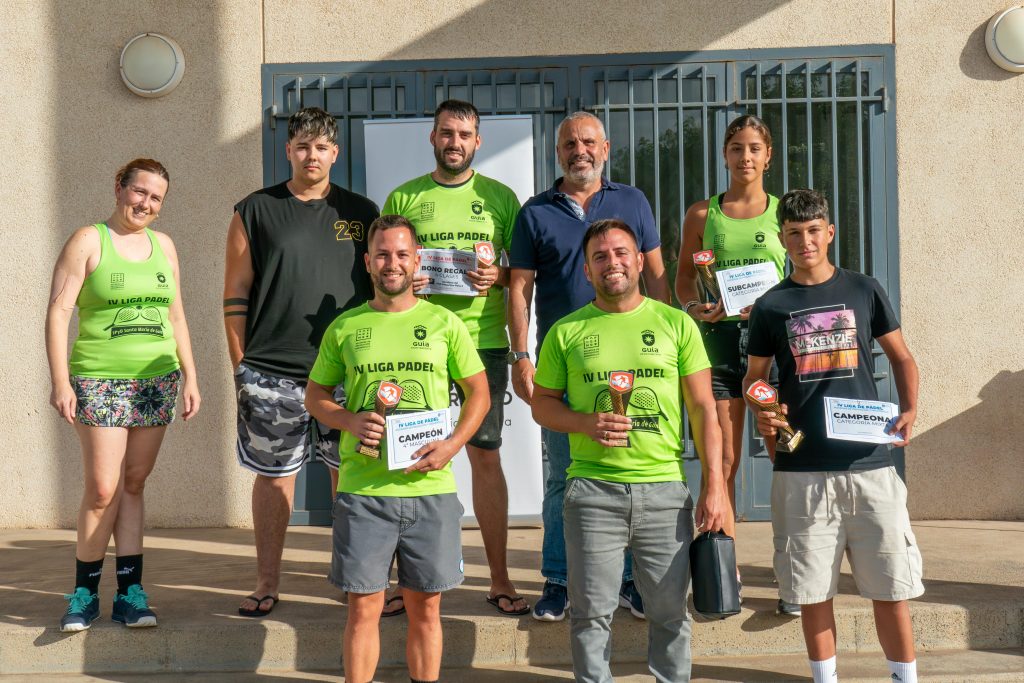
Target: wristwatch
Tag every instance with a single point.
(514, 357)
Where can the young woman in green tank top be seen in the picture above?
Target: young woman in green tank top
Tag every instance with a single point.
(741, 227)
(119, 389)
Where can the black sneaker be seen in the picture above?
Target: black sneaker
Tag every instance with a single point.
(629, 597)
(83, 608)
(787, 609)
(132, 609)
(553, 603)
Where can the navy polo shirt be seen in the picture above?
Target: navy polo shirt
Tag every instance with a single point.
(548, 239)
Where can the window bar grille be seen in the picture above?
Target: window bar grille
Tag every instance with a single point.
(810, 125)
(704, 127)
(784, 95)
(864, 263)
(834, 109)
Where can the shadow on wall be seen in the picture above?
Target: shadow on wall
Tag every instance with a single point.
(980, 483)
(975, 62)
(578, 27)
(98, 125)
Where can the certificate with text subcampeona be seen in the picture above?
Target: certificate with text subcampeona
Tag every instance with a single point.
(742, 286)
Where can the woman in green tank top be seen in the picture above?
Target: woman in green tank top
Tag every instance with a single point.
(119, 389)
(741, 227)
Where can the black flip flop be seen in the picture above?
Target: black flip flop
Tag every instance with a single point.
(496, 601)
(258, 613)
(397, 611)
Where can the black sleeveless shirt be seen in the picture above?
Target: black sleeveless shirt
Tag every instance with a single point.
(307, 257)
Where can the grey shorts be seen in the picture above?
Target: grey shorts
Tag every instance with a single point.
(817, 517)
(425, 533)
(275, 433)
(488, 436)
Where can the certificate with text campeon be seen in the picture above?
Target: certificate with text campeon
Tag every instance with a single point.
(408, 432)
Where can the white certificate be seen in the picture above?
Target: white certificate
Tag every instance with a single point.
(407, 432)
(849, 419)
(446, 269)
(742, 286)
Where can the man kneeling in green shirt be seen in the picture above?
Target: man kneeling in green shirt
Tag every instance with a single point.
(614, 375)
(415, 346)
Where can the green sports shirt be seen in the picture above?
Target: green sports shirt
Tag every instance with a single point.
(124, 326)
(418, 349)
(744, 241)
(457, 217)
(660, 345)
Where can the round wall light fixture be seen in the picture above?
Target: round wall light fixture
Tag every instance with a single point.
(152, 65)
(1004, 38)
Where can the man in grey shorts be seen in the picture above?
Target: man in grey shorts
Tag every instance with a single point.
(395, 353)
(455, 207)
(273, 331)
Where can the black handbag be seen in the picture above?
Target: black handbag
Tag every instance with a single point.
(716, 592)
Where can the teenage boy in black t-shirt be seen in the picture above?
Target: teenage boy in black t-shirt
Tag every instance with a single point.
(831, 496)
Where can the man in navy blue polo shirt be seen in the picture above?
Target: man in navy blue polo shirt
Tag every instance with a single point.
(547, 250)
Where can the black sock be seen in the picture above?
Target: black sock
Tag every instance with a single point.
(87, 574)
(129, 572)
(413, 680)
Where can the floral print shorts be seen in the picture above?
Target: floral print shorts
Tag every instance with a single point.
(127, 402)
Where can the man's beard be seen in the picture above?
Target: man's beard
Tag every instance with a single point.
(583, 177)
(392, 289)
(467, 161)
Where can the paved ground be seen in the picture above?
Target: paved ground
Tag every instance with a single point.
(974, 576)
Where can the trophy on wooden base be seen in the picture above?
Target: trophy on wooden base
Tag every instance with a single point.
(767, 399)
(620, 386)
(388, 396)
(704, 264)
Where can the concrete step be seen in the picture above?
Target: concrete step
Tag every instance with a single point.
(963, 666)
(974, 601)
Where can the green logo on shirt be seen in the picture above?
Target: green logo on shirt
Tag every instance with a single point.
(647, 336)
(478, 207)
(127, 321)
(591, 346)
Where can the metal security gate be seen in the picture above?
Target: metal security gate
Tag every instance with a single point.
(829, 109)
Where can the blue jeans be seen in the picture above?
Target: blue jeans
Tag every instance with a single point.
(555, 449)
(655, 520)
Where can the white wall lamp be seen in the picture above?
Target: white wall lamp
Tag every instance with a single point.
(1004, 38)
(152, 65)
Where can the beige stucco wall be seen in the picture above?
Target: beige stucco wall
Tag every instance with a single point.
(68, 123)
(960, 135)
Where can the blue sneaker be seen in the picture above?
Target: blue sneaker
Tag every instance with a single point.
(132, 610)
(553, 603)
(629, 597)
(83, 608)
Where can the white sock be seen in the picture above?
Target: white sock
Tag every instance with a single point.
(825, 670)
(904, 672)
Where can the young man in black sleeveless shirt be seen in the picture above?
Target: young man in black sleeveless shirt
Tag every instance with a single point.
(294, 263)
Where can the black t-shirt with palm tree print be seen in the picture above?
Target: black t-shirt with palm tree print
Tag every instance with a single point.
(821, 337)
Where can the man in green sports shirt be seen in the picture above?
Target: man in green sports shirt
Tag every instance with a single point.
(626, 482)
(380, 513)
(454, 207)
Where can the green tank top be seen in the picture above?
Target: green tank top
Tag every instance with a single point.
(744, 241)
(123, 328)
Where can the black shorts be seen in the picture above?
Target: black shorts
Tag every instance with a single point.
(726, 345)
(488, 436)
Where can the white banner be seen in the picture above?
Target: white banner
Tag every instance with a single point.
(398, 150)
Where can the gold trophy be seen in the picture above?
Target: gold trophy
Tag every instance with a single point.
(620, 386)
(484, 257)
(767, 399)
(388, 396)
(704, 263)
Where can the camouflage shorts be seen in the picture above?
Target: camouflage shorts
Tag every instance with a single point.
(275, 433)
